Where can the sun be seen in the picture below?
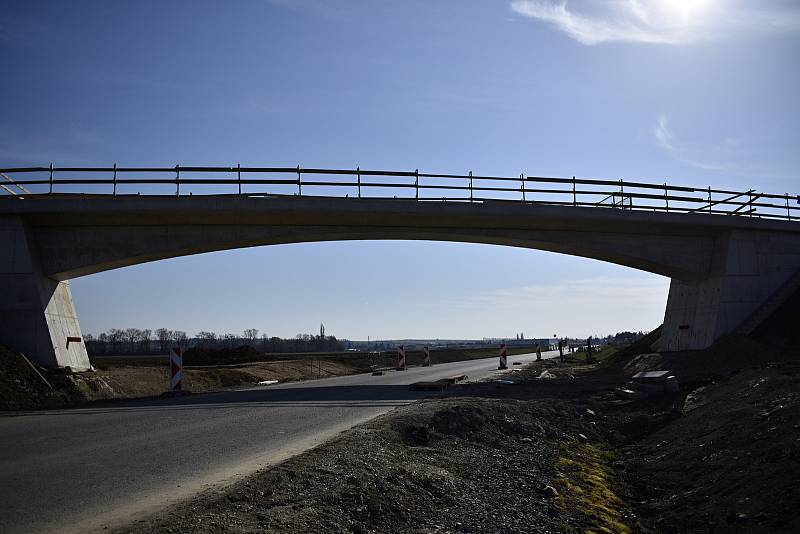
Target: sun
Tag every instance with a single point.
(686, 8)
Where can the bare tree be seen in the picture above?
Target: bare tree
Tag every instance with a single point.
(131, 336)
(229, 340)
(144, 340)
(207, 339)
(164, 336)
(179, 338)
(251, 334)
(115, 339)
(102, 339)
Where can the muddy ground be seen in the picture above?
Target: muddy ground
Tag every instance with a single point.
(561, 453)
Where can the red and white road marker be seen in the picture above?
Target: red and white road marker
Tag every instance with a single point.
(427, 352)
(503, 356)
(176, 369)
(401, 358)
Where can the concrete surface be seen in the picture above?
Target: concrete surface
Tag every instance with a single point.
(80, 470)
(723, 267)
(37, 312)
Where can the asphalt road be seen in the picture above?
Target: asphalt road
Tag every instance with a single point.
(84, 469)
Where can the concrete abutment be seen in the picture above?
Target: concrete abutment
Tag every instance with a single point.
(747, 268)
(38, 315)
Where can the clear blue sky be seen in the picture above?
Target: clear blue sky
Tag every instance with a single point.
(700, 92)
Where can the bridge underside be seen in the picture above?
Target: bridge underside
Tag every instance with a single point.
(722, 267)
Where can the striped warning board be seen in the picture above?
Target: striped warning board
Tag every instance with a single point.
(427, 352)
(401, 358)
(176, 369)
(503, 356)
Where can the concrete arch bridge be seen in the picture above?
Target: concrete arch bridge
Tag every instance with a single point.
(732, 257)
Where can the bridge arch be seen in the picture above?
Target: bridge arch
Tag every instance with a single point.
(722, 268)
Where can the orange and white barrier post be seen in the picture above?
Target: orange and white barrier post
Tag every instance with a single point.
(427, 352)
(176, 369)
(401, 358)
(503, 357)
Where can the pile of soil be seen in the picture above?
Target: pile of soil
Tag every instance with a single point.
(21, 387)
(729, 460)
(780, 329)
(450, 465)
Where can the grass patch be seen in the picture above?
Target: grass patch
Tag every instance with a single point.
(586, 481)
(600, 356)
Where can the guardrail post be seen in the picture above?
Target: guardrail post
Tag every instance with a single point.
(51, 177)
(522, 186)
(574, 193)
(239, 176)
(358, 172)
(177, 181)
(666, 196)
(299, 185)
(750, 203)
(621, 196)
(709, 200)
(416, 184)
(115, 180)
(788, 211)
(470, 186)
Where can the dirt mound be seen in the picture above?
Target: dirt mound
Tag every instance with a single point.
(780, 329)
(21, 387)
(641, 346)
(729, 354)
(732, 461)
(479, 422)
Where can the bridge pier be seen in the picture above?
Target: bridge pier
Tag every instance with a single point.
(748, 268)
(37, 311)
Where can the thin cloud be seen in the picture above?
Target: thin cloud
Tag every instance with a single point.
(730, 155)
(660, 21)
(663, 134)
(665, 139)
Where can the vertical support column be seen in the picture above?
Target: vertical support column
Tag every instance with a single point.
(38, 315)
(748, 270)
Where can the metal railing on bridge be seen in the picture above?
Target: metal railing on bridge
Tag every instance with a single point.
(34, 182)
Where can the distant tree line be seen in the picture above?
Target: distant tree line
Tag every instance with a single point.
(159, 341)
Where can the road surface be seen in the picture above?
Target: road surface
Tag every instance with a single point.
(79, 470)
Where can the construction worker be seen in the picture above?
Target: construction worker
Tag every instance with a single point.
(538, 351)
(561, 350)
(589, 357)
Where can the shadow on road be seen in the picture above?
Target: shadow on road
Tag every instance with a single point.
(321, 397)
